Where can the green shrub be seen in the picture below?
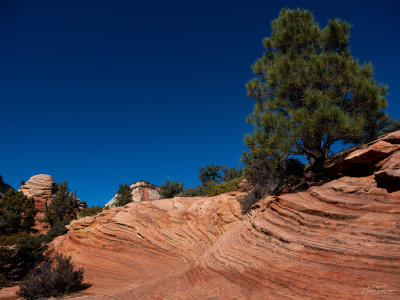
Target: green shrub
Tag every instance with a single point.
(3, 280)
(9, 240)
(53, 281)
(170, 189)
(56, 230)
(189, 192)
(29, 252)
(17, 213)
(268, 177)
(91, 211)
(224, 187)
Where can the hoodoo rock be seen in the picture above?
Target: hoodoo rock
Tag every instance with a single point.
(141, 191)
(340, 240)
(40, 187)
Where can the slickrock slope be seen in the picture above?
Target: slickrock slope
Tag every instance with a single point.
(340, 240)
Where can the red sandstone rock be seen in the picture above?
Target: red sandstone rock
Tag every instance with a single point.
(340, 240)
(40, 187)
(364, 160)
(389, 174)
(373, 154)
(393, 138)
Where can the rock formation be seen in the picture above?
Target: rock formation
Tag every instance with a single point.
(41, 188)
(4, 187)
(340, 240)
(141, 191)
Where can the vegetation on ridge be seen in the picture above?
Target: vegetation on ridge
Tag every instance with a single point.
(21, 252)
(310, 94)
(124, 195)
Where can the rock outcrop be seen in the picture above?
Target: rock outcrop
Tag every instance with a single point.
(4, 187)
(340, 240)
(141, 191)
(40, 187)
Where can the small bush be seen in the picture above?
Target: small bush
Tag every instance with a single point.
(29, 252)
(91, 211)
(56, 230)
(53, 281)
(170, 189)
(189, 192)
(3, 280)
(9, 240)
(224, 187)
(268, 177)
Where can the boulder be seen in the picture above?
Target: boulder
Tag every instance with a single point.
(389, 174)
(362, 161)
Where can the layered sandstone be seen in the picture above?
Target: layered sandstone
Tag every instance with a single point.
(40, 187)
(340, 240)
(141, 191)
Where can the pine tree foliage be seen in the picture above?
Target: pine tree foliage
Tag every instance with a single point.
(171, 188)
(211, 172)
(17, 213)
(124, 195)
(310, 92)
(64, 205)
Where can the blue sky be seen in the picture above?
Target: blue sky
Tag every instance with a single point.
(98, 93)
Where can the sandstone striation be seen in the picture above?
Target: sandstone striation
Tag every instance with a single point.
(40, 187)
(340, 240)
(141, 191)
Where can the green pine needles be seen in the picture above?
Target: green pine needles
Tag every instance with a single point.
(310, 92)
(124, 195)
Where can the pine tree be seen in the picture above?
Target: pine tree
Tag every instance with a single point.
(17, 213)
(210, 172)
(171, 188)
(124, 195)
(64, 206)
(311, 93)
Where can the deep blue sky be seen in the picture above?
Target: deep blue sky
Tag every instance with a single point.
(99, 93)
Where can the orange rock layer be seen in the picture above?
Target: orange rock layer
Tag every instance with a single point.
(337, 241)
